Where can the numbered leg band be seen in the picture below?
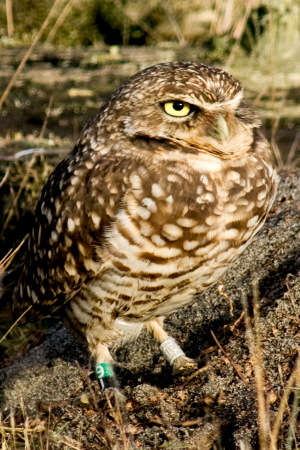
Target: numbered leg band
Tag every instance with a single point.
(171, 350)
(105, 375)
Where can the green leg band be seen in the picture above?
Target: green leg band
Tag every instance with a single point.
(104, 370)
(105, 375)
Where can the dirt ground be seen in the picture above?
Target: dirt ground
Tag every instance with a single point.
(48, 388)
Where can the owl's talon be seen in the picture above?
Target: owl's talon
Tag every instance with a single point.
(184, 366)
(116, 398)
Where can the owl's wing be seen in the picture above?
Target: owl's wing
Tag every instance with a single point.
(78, 203)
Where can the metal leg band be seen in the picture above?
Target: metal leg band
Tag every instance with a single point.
(171, 350)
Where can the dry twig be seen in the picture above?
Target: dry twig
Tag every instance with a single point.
(295, 375)
(229, 359)
(48, 111)
(221, 292)
(254, 342)
(61, 18)
(9, 18)
(293, 150)
(15, 323)
(8, 258)
(29, 51)
(16, 199)
(2, 182)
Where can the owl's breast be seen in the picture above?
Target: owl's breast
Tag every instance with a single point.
(177, 233)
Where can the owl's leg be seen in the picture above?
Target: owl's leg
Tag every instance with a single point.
(102, 359)
(169, 348)
(93, 331)
(103, 367)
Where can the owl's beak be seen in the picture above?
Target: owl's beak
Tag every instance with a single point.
(219, 129)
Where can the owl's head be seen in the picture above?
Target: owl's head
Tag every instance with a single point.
(194, 105)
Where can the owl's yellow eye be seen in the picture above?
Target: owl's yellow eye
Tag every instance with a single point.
(177, 108)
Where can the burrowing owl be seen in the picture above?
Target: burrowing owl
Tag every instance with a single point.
(165, 187)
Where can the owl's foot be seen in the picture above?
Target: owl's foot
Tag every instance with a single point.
(184, 366)
(115, 407)
(115, 398)
(176, 357)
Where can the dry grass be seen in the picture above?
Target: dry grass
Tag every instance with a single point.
(29, 51)
(110, 426)
(7, 260)
(233, 24)
(9, 15)
(268, 432)
(33, 434)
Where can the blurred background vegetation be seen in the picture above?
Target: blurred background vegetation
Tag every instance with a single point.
(215, 25)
